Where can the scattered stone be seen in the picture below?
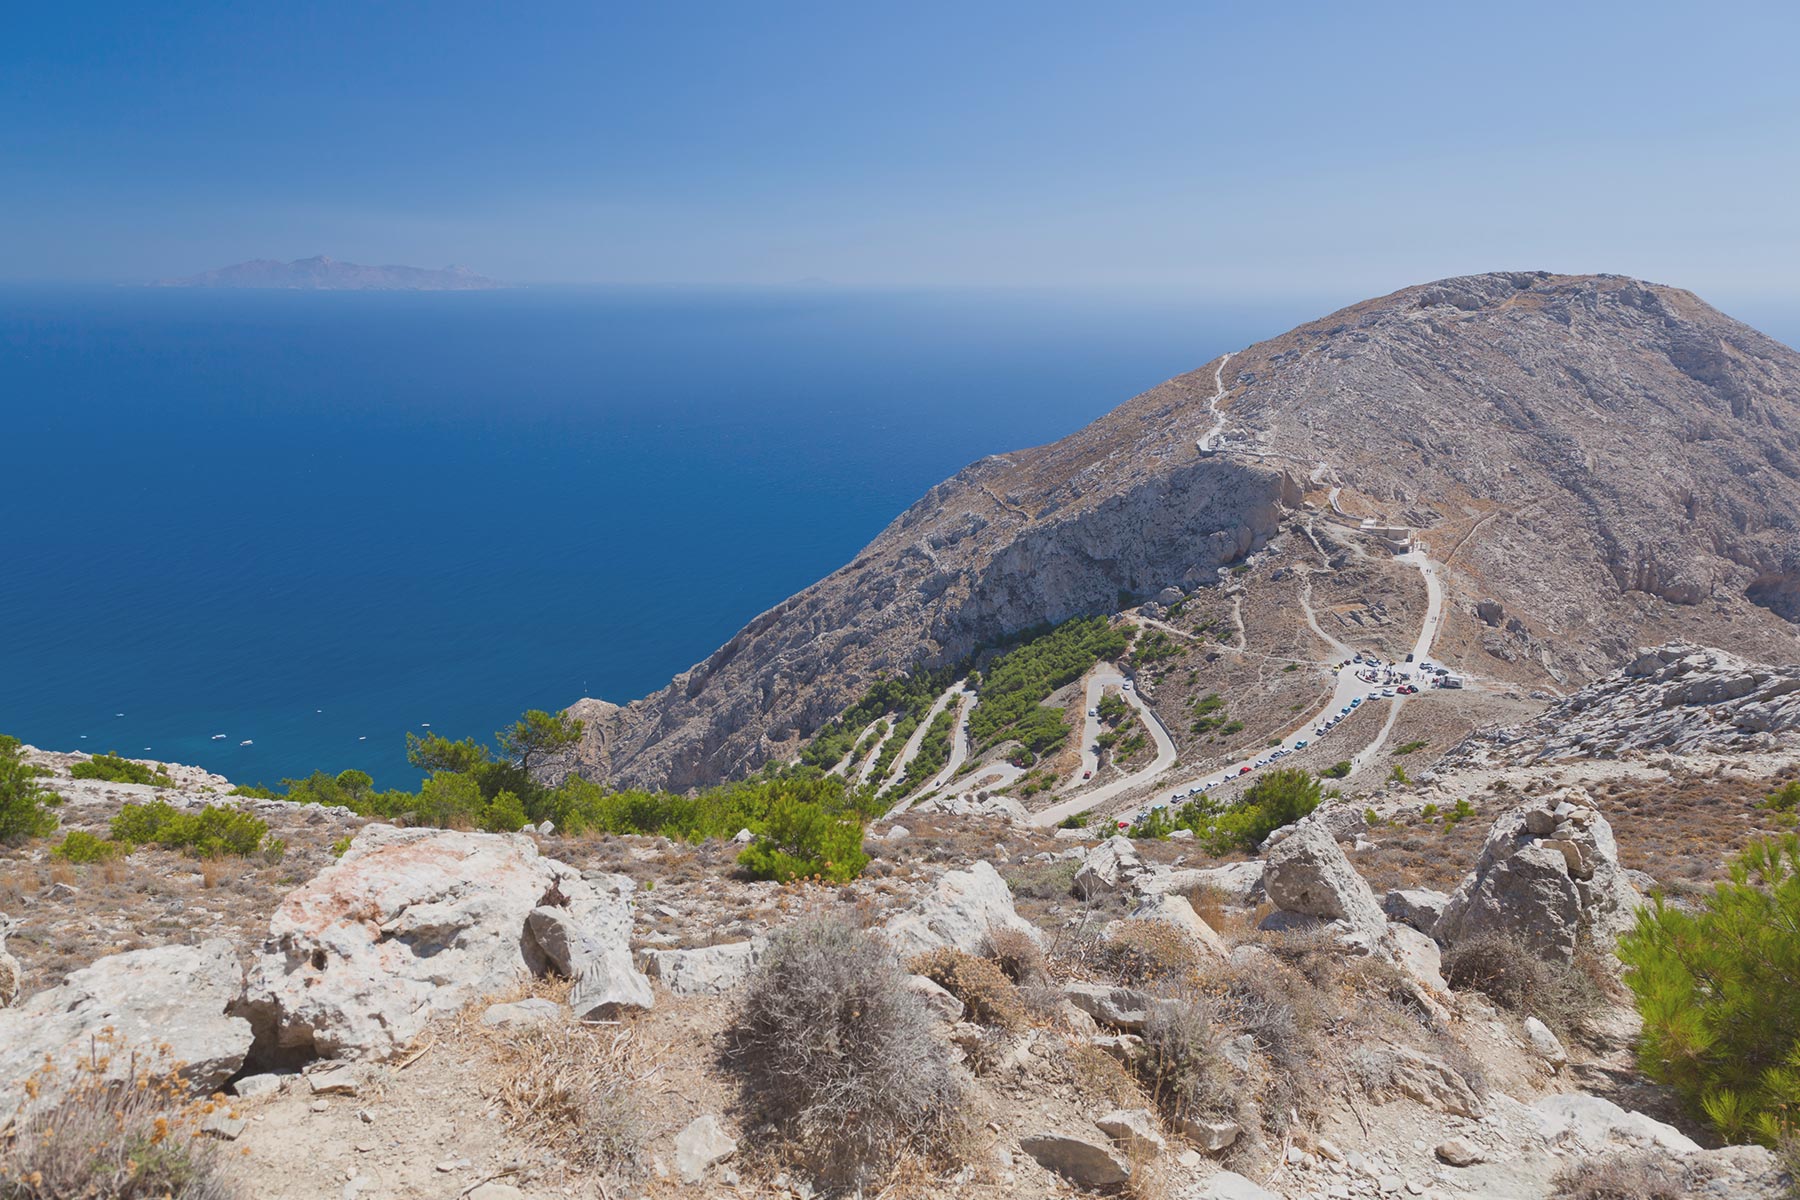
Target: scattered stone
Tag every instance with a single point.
(1211, 1136)
(496, 1191)
(1124, 1047)
(1078, 1159)
(321, 1106)
(1229, 1185)
(1134, 1129)
(942, 1004)
(704, 970)
(344, 1080)
(744, 837)
(1108, 867)
(1459, 1152)
(1545, 1044)
(1432, 1081)
(224, 1126)
(521, 1014)
(251, 1087)
(1120, 1007)
(700, 1145)
(589, 940)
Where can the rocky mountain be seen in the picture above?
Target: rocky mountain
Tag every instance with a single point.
(322, 274)
(1598, 463)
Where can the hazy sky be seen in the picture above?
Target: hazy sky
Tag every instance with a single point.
(1222, 149)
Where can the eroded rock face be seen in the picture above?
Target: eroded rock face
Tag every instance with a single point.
(1548, 875)
(170, 1005)
(412, 923)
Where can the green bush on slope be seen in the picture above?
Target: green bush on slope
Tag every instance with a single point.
(1716, 988)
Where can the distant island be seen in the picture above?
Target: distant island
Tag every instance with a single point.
(322, 274)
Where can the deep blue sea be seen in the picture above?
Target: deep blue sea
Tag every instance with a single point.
(313, 522)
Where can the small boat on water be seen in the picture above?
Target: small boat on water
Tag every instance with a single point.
(218, 737)
(246, 742)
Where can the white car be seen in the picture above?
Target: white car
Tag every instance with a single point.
(1093, 712)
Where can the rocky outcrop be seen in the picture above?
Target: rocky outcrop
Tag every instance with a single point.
(154, 1010)
(1548, 875)
(959, 912)
(1679, 698)
(1089, 1162)
(413, 923)
(1109, 867)
(704, 970)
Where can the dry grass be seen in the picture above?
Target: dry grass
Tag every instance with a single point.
(841, 1059)
(1134, 953)
(1636, 1176)
(1509, 974)
(988, 996)
(1017, 954)
(1102, 1079)
(133, 1135)
(571, 1088)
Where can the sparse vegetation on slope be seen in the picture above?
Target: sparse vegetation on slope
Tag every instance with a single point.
(113, 769)
(1016, 684)
(1277, 798)
(25, 803)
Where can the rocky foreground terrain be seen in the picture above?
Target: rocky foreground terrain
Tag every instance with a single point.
(1599, 464)
(429, 1013)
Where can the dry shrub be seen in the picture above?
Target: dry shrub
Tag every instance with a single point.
(1510, 974)
(130, 1137)
(1186, 1067)
(1101, 1078)
(987, 994)
(841, 1058)
(1634, 1176)
(572, 1089)
(1135, 953)
(1017, 953)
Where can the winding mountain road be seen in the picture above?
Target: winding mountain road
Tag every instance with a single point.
(1104, 676)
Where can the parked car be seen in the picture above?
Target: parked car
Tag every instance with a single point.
(1300, 745)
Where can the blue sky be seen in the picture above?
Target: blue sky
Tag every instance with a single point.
(1210, 149)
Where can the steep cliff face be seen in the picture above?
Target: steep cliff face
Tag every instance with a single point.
(1607, 460)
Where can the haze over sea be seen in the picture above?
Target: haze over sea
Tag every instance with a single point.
(315, 521)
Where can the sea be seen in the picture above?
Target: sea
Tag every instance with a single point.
(272, 532)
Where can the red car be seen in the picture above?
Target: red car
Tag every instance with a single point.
(1243, 770)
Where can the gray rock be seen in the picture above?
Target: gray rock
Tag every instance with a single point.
(699, 1146)
(1108, 867)
(1175, 912)
(1421, 908)
(224, 1126)
(1307, 873)
(414, 923)
(1229, 1185)
(960, 912)
(1134, 1129)
(1210, 1135)
(1544, 1044)
(521, 1014)
(942, 1004)
(1459, 1152)
(252, 1087)
(1598, 1125)
(1433, 1082)
(1081, 1160)
(343, 1079)
(704, 970)
(1553, 890)
(1120, 1007)
(12, 978)
(179, 997)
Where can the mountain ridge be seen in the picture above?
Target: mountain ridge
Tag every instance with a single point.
(1608, 462)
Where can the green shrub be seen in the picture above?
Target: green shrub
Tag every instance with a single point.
(254, 791)
(801, 841)
(80, 846)
(25, 803)
(341, 846)
(113, 769)
(1336, 770)
(1398, 775)
(1410, 747)
(1016, 684)
(841, 1058)
(1715, 987)
(212, 832)
(1277, 798)
(1784, 798)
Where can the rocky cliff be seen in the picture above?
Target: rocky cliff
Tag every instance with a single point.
(1601, 462)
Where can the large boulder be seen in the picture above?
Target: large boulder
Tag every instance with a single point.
(1582, 1122)
(1238, 883)
(959, 912)
(1108, 867)
(167, 1007)
(412, 923)
(1420, 908)
(1086, 1161)
(1549, 875)
(1307, 874)
(1175, 912)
